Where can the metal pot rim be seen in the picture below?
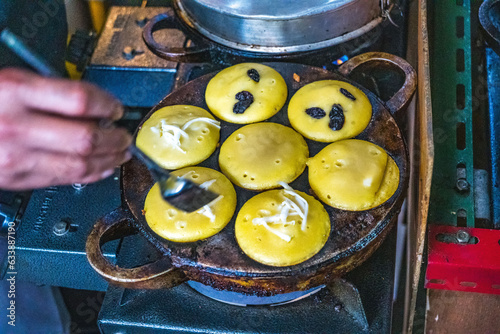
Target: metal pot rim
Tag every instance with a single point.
(287, 34)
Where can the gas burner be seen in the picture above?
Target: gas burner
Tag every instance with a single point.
(240, 299)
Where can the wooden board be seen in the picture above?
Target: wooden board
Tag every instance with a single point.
(421, 167)
(462, 312)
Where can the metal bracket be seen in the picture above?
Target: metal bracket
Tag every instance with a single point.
(350, 301)
(463, 259)
(386, 13)
(80, 48)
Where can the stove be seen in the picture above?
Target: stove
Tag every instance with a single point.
(56, 221)
(361, 302)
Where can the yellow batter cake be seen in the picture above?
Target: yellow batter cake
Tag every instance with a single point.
(282, 227)
(177, 225)
(329, 110)
(246, 93)
(179, 136)
(258, 156)
(353, 175)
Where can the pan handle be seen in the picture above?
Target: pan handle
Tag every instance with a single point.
(198, 53)
(492, 32)
(118, 224)
(403, 96)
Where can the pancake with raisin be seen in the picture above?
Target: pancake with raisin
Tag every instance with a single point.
(353, 175)
(282, 227)
(329, 110)
(176, 225)
(246, 93)
(258, 156)
(179, 136)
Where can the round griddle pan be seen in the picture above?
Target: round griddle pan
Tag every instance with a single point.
(218, 261)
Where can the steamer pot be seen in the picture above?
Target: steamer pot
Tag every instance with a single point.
(268, 30)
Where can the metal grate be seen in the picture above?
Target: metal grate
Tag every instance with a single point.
(452, 198)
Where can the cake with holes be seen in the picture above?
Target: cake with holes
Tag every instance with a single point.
(180, 226)
(329, 110)
(246, 93)
(353, 175)
(179, 136)
(258, 156)
(282, 227)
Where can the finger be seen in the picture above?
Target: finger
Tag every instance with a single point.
(61, 96)
(85, 138)
(34, 169)
(25, 181)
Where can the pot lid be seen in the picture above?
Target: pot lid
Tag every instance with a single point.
(280, 26)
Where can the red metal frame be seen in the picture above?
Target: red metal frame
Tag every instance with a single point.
(464, 267)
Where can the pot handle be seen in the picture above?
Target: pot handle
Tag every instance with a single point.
(198, 53)
(492, 32)
(115, 225)
(403, 96)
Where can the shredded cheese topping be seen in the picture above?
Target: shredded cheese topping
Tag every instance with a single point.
(205, 185)
(172, 133)
(187, 174)
(302, 208)
(202, 119)
(287, 208)
(206, 210)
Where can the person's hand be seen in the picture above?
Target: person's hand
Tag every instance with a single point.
(52, 133)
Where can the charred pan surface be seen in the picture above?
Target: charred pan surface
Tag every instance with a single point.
(269, 286)
(219, 262)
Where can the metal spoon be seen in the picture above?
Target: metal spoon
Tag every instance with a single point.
(179, 192)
